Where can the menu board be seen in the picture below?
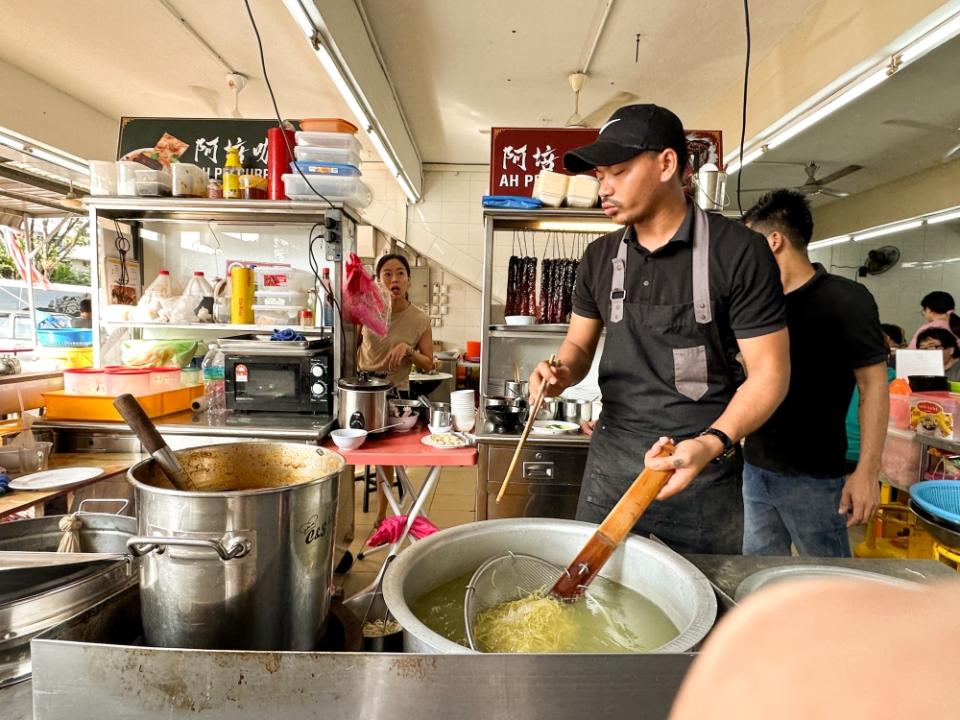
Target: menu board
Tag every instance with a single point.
(199, 141)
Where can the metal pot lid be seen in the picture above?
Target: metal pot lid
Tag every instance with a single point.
(364, 383)
(780, 573)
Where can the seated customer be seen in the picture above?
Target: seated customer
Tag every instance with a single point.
(85, 319)
(936, 338)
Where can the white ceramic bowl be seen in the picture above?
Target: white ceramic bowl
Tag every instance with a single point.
(520, 320)
(436, 430)
(406, 422)
(349, 439)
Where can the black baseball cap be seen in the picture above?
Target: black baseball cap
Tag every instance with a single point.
(629, 131)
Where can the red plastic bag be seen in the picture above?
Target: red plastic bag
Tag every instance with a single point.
(391, 529)
(365, 302)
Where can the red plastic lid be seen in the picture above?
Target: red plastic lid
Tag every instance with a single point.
(164, 272)
(165, 369)
(198, 273)
(127, 371)
(84, 371)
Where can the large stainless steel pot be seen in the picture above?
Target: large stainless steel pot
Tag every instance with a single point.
(52, 595)
(247, 562)
(681, 591)
(363, 402)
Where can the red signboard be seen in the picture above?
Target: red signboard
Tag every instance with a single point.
(517, 155)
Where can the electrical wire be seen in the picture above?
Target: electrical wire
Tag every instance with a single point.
(743, 115)
(276, 109)
(313, 238)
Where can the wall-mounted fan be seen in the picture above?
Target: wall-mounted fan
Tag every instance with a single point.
(815, 185)
(879, 261)
(599, 114)
(950, 154)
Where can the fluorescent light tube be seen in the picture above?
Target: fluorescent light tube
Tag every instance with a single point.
(888, 230)
(942, 218)
(828, 242)
(59, 160)
(748, 157)
(12, 142)
(936, 37)
(844, 98)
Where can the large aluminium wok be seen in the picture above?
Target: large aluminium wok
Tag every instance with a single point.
(676, 586)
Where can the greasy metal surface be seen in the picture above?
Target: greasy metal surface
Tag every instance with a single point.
(84, 680)
(486, 433)
(769, 576)
(276, 500)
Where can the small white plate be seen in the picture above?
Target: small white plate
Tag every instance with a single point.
(554, 427)
(429, 441)
(54, 479)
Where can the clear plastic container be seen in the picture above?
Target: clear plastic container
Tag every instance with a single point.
(271, 277)
(936, 414)
(317, 168)
(164, 378)
(275, 315)
(127, 177)
(191, 376)
(340, 156)
(127, 380)
(350, 191)
(154, 183)
(103, 177)
(84, 381)
(281, 298)
(330, 140)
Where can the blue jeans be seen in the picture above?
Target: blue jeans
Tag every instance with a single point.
(779, 509)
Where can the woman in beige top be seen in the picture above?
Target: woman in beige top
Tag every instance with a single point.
(409, 341)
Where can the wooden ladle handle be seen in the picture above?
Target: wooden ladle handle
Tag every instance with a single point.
(635, 501)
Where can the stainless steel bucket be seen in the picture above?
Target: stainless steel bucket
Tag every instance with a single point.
(247, 562)
(676, 586)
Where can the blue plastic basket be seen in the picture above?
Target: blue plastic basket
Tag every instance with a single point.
(940, 498)
(65, 337)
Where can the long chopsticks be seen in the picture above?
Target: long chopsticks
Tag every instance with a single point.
(526, 431)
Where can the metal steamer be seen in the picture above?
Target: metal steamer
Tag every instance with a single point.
(247, 561)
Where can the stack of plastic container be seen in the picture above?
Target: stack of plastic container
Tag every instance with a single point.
(327, 161)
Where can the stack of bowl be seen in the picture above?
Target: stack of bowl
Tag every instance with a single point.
(463, 410)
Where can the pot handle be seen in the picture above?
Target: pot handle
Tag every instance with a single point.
(123, 503)
(231, 549)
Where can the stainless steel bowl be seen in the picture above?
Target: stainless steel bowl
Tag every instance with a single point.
(550, 409)
(577, 410)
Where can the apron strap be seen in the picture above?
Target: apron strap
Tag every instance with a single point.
(702, 308)
(617, 293)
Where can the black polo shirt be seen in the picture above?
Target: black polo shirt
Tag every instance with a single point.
(834, 329)
(744, 277)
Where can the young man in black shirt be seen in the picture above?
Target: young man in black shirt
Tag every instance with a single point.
(794, 487)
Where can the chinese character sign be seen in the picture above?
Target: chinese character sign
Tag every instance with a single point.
(202, 142)
(518, 154)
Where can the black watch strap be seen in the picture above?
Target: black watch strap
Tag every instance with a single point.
(729, 447)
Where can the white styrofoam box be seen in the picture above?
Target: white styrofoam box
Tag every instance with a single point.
(551, 188)
(582, 191)
(351, 191)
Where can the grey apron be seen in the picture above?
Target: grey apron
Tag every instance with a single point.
(665, 371)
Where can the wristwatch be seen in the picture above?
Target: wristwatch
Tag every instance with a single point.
(729, 447)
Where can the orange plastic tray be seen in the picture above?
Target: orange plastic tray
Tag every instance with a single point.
(61, 406)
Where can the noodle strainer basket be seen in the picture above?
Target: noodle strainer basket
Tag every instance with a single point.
(502, 579)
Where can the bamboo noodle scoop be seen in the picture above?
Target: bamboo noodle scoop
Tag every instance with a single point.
(509, 577)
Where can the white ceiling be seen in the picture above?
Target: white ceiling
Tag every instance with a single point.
(927, 91)
(460, 67)
(133, 58)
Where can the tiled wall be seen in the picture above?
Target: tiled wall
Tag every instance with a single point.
(930, 260)
(447, 228)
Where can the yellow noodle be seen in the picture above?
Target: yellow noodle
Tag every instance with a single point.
(531, 624)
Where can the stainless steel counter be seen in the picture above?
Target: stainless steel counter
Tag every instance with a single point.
(243, 425)
(486, 433)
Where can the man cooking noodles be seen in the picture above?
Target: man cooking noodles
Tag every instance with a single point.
(679, 293)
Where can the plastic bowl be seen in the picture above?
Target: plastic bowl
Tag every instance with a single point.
(520, 320)
(406, 423)
(349, 439)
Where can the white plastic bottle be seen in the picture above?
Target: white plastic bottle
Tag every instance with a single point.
(162, 286)
(198, 287)
(214, 384)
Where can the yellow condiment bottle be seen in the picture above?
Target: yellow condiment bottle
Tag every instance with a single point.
(231, 174)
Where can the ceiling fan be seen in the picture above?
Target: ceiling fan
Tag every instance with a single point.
(950, 154)
(599, 114)
(813, 184)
